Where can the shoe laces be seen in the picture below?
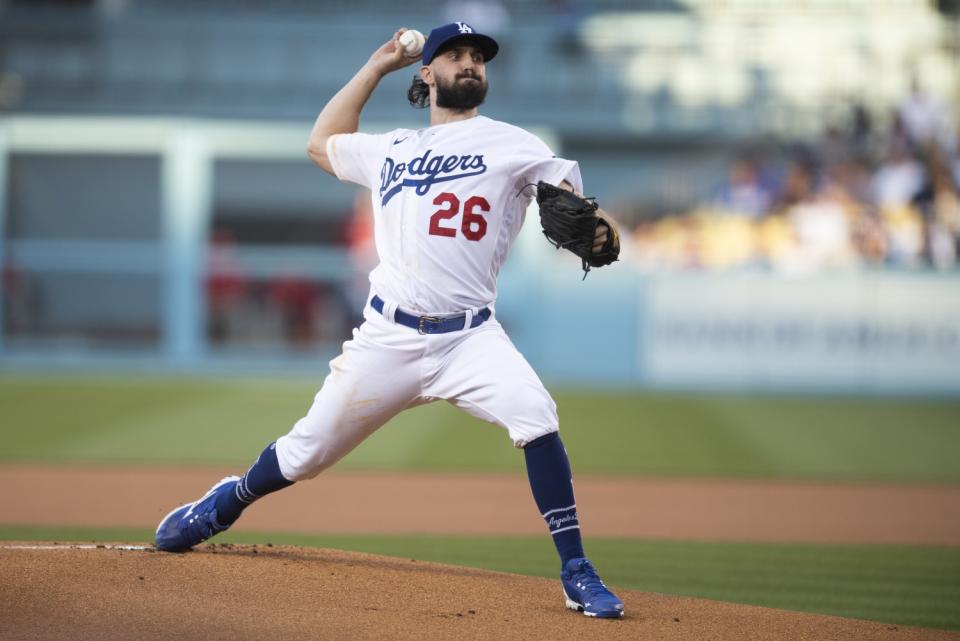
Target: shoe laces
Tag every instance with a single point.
(587, 577)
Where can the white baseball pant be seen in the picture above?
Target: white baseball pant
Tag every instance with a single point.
(388, 367)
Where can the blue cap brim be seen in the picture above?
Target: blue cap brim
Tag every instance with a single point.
(487, 45)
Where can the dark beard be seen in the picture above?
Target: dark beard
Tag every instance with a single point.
(461, 96)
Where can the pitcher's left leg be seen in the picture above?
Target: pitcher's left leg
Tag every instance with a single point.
(485, 375)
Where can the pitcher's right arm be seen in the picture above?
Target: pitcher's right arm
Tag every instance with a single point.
(341, 115)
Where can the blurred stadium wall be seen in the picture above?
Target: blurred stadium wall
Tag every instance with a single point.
(786, 174)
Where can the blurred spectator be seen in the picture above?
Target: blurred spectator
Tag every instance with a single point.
(798, 185)
(647, 254)
(939, 203)
(822, 229)
(869, 237)
(836, 207)
(227, 287)
(905, 235)
(898, 180)
(777, 244)
(927, 121)
(854, 177)
(296, 300)
(861, 130)
(946, 205)
(745, 191)
(241, 309)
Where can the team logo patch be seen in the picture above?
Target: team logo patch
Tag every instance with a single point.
(424, 171)
(464, 27)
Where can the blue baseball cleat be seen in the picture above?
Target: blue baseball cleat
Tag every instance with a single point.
(195, 522)
(586, 593)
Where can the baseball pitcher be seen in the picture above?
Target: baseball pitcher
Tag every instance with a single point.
(449, 200)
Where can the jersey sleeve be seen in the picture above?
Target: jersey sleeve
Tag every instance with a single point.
(358, 157)
(538, 162)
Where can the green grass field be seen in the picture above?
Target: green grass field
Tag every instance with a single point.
(203, 421)
(196, 421)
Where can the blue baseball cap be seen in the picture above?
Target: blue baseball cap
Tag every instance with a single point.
(454, 31)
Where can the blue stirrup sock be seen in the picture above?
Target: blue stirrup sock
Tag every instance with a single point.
(261, 479)
(548, 469)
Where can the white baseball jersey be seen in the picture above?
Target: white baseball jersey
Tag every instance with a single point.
(448, 202)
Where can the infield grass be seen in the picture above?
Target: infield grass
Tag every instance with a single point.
(902, 585)
(203, 421)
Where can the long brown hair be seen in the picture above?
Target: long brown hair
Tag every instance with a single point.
(419, 93)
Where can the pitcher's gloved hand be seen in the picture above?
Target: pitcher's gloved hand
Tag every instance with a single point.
(572, 222)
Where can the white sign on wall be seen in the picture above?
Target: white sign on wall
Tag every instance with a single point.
(853, 332)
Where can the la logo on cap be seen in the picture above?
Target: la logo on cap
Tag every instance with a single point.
(443, 34)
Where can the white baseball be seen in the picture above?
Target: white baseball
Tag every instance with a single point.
(412, 43)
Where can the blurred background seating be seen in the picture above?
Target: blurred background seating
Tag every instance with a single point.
(158, 208)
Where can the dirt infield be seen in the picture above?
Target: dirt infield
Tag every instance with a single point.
(348, 502)
(245, 592)
(101, 593)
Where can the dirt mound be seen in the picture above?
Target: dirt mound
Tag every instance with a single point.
(234, 592)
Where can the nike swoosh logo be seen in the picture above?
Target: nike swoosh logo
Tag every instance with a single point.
(400, 140)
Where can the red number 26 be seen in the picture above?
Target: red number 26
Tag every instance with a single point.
(472, 225)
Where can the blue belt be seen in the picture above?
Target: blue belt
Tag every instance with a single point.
(432, 324)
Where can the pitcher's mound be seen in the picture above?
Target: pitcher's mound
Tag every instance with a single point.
(235, 592)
